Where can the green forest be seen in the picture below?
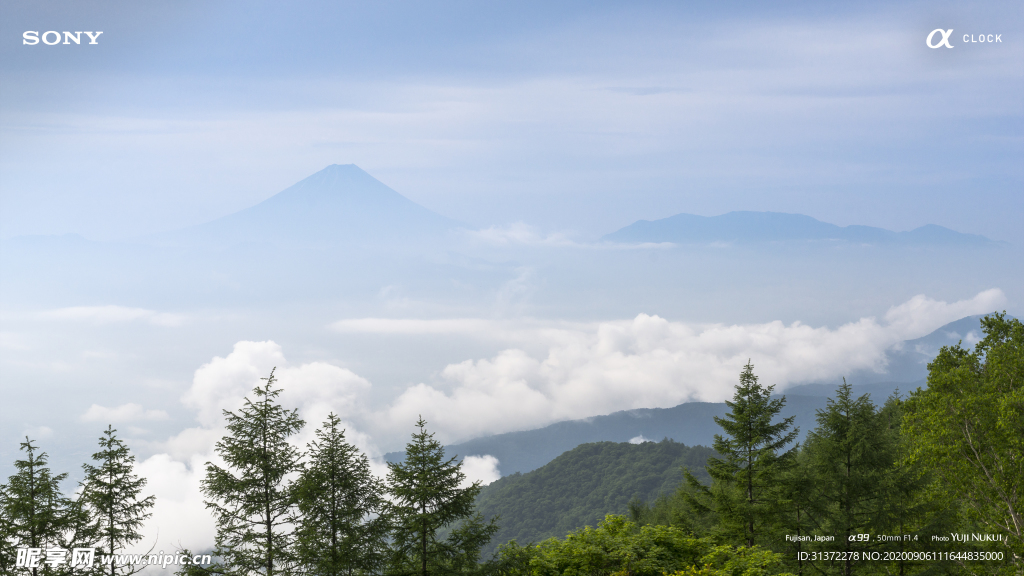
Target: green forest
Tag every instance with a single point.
(930, 483)
(583, 485)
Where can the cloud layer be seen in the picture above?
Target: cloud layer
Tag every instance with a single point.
(130, 412)
(652, 362)
(113, 314)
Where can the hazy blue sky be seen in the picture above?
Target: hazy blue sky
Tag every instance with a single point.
(580, 116)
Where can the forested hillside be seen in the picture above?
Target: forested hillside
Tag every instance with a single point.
(584, 484)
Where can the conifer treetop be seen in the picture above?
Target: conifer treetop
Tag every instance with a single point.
(251, 498)
(749, 423)
(427, 498)
(111, 494)
(39, 513)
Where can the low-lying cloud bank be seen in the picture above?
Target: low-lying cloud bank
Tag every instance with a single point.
(130, 412)
(586, 370)
(651, 362)
(113, 315)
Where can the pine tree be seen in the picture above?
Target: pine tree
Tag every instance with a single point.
(8, 553)
(797, 485)
(110, 492)
(38, 514)
(745, 492)
(252, 500)
(341, 526)
(850, 456)
(427, 499)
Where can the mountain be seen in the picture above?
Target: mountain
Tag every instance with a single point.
(693, 423)
(582, 485)
(339, 204)
(338, 234)
(752, 227)
(908, 360)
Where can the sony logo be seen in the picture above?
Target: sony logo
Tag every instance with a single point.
(51, 37)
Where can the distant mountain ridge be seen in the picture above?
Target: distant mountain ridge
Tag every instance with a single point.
(344, 205)
(691, 423)
(752, 227)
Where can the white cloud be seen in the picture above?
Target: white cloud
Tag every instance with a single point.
(412, 326)
(652, 362)
(315, 389)
(189, 442)
(222, 383)
(38, 432)
(13, 342)
(919, 315)
(124, 413)
(639, 439)
(179, 516)
(483, 469)
(113, 314)
(523, 330)
(519, 233)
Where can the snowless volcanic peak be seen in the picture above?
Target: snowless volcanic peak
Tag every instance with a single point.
(341, 203)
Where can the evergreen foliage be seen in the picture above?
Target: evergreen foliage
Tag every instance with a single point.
(252, 499)
(111, 495)
(745, 493)
(675, 509)
(8, 552)
(340, 525)
(797, 518)
(848, 489)
(850, 455)
(428, 499)
(38, 514)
